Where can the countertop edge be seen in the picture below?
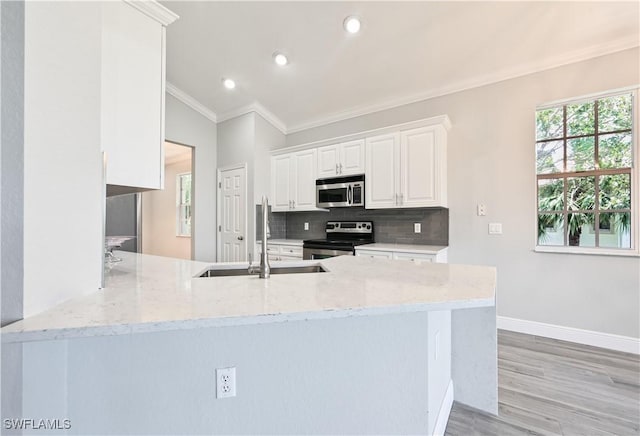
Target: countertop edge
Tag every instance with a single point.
(173, 325)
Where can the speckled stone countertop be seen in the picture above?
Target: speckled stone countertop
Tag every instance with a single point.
(146, 293)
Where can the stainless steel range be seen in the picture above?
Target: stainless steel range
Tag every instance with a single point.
(342, 238)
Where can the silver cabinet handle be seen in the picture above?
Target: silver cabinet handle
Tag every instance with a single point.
(294, 204)
(290, 204)
(340, 168)
(240, 238)
(337, 170)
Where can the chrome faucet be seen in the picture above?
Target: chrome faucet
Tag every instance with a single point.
(265, 269)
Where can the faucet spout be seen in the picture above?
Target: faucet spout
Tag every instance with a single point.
(265, 269)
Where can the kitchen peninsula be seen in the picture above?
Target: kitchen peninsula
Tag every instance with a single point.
(369, 346)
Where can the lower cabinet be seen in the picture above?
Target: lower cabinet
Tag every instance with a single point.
(439, 257)
(280, 251)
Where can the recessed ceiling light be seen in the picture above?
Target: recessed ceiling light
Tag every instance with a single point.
(280, 59)
(352, 24)
(228, 83)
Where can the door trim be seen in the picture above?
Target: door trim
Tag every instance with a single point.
(220, 170)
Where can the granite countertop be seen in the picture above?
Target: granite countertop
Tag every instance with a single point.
(150, 293)
(407, 248)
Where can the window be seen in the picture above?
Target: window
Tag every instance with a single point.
(584, 158)
(183, 204)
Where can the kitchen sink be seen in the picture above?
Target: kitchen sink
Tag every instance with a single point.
(226, 272)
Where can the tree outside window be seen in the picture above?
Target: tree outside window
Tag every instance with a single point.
(183, 204)
(584, 157)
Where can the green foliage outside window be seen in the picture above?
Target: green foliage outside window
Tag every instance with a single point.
(584, 160)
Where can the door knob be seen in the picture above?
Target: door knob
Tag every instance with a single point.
(240, 238)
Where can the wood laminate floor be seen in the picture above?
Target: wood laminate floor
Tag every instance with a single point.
(550, 387)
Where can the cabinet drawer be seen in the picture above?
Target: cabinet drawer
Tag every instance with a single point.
(375, 254)
(415, 257)
(291, 250)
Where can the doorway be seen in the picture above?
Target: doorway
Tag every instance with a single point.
(232, 213)
(167, 225)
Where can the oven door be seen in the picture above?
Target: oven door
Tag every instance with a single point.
(335, 195)
(323, 253)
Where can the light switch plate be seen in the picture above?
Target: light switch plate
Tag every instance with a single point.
(417, 227)
(306, 226)
(495, 228)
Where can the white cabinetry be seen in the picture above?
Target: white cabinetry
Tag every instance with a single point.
(293, 178)
(341, 159)
(280, 251)
(407, 169)
(133, 82)
(426, 254)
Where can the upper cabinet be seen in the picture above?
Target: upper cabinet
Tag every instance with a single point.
(133, 90)
(341, 159)
(407, 169)
(404, 166)
(293, 181)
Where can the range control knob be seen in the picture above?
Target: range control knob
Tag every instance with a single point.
(368, 227)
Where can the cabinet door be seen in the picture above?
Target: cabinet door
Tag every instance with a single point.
(304, 182)
(382, 157)
(352, 157)
(132, 97)
(328, 161)
(421, 168)
(281, 175)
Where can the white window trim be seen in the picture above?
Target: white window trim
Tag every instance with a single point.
(634, 251)
(178, 177)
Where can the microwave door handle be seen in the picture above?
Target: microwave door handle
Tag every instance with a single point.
(349, 195)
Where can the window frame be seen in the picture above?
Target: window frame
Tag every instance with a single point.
(179, 204)
(634, 250)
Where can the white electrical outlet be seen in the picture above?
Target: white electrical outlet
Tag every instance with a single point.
(417, 227)
(495, 228)
(306, 226)
(225, 382)
(482, 209)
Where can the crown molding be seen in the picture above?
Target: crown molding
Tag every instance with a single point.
(259, 109)
(190, 101)
(154, 10)
(507, 74)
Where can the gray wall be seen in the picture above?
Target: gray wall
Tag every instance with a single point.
(249, 139)
(349, 375)
(11, 159)
(11, 200)
(184, 125)
(491, 159)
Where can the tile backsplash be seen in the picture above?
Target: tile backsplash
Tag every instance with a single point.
(390, 225)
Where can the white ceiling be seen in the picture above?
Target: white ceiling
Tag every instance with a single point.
(406, 51)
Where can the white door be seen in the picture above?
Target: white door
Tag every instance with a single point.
(418, 167)
(232, 189)
(382, 170)
(328, 161)
(352, 157)
(304, 181)
(281, 176)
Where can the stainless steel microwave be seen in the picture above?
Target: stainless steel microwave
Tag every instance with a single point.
(340, 191)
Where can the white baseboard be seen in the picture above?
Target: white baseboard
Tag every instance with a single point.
(445, 410)
(586, 337)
